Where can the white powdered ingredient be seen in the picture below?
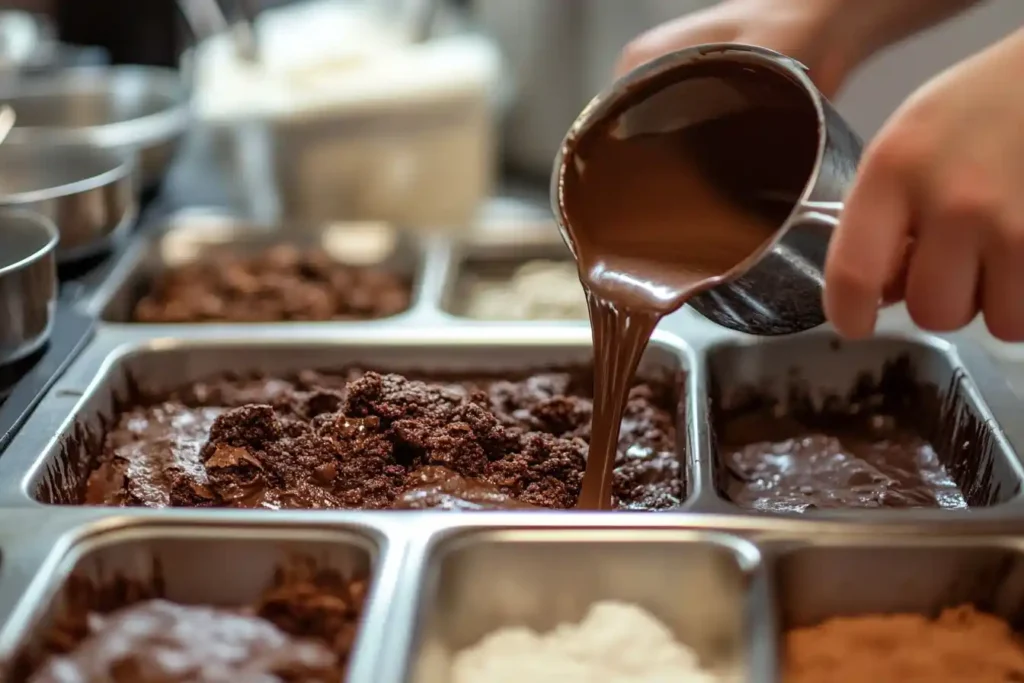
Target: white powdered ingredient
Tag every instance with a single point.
(615, 643)
(538, 290)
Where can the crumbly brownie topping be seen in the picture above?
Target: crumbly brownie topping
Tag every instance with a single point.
(278, 284)
(371, 440)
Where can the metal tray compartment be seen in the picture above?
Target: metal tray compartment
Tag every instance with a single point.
(194, 236)
(703, 585)
(908, 576)
(59, 473)
(819, 366)
(219, 565)
(495, 260)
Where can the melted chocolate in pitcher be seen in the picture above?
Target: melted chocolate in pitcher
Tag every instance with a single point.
(680, 183)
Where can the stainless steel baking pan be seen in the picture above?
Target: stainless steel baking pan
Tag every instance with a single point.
(214, 564)
(495, 258)
(468, 584)
(205, 235)
(821, 578)
(51, 469)
(756, 574)
(202, 234)
(819, 366)
(728, 586)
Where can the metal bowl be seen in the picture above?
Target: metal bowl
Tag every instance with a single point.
(27, 42)
(28, 283)
(137, 108)
(88, 192)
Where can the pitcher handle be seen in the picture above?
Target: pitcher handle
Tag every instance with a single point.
(827, 214)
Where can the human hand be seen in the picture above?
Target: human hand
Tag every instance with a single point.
(937, 211)
(830, 37)
(803, 29)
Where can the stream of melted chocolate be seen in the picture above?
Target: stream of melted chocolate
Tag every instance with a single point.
(667, 193)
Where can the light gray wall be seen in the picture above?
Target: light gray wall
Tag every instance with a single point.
(883, 83)
(875, 91)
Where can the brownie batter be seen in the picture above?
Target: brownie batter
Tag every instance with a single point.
(961, 645)
(867, 450)
(660, 195)
(279, 284)
(368, 440)
(300, 631)
(783, 465)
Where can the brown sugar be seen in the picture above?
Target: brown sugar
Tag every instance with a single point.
(961, 645)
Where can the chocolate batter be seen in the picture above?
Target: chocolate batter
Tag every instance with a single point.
(665, 195)
(302, 629)
(278, 284)
(870, 449)
(784, 465)
(368, 440)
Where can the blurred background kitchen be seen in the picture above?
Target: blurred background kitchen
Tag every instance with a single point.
(409, 109)
(438, 114)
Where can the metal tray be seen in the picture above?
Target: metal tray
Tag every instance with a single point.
(54, 472)
(203, 564)
(200, 234)
(739, 575)
(729, 587)
(490, 257)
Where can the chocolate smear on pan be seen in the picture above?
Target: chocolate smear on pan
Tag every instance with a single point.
(892, 441)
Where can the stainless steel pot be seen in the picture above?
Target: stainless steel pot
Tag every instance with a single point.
(125, 108)
(28, 283)
(88, 192)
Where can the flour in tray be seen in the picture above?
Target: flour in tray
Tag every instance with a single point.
(615, 643)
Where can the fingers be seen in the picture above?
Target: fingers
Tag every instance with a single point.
(943, 273)
(1002, 289)
(939, 234)
(896, 288)
(681, 33)
(866, 251)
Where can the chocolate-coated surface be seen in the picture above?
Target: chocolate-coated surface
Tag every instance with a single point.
(784, 465)
(278, 284)
(878, 447)
(686, 177)
(300, 631)
(368, 440)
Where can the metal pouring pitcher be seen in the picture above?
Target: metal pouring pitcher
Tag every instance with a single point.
(779, 289)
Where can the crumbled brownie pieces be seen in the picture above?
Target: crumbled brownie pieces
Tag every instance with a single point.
(301, 630)
(372, 440)
(279, 284)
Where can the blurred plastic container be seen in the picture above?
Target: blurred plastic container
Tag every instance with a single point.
(357, 122)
